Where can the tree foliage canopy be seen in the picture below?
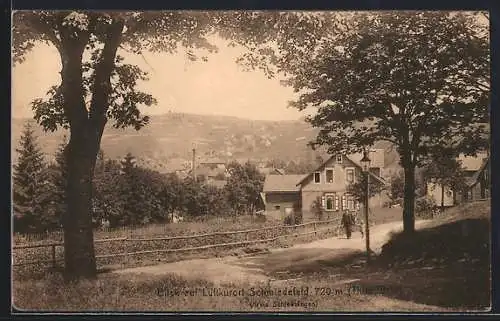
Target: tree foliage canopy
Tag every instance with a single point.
(358, 188)
(446, 170)
(416, 79)
(406, 78)
(243, 187)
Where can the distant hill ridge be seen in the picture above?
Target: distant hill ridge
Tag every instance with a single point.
(169, 138)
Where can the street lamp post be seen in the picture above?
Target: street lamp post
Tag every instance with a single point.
(365, 163)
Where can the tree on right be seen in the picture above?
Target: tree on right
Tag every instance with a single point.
(419, 80)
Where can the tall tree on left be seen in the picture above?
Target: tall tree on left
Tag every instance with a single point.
(96, 85)
(29, 178)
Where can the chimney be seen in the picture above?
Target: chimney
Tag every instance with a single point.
(193, 166)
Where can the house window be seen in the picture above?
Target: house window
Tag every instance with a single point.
(317, 177)
(329, 202)
(336, 202)
(339, 159)
(344, 202)
(277, 207)
(349, 172)
(329, 175)
(350, 202)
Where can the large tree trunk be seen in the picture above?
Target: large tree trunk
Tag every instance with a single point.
(409, 200)
(79, 253)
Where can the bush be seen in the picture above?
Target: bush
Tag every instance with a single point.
(317, 209)
(424, 206)
(424, 203)
(293, 219)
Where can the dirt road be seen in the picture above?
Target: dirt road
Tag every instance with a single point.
(265, 267)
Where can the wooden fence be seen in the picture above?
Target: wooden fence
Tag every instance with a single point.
(283, 231)
(222, 223)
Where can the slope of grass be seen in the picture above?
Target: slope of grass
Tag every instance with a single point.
(447, 263)
(462, 232)
(171, 293)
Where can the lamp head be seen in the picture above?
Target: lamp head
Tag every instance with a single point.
(365, 161)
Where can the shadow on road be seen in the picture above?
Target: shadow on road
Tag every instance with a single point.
(292, 262)
(454, 274)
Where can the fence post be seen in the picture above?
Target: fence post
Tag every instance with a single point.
(315, 231)
(54, 256)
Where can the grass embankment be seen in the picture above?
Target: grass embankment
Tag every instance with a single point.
(448, 263)
(172, 293)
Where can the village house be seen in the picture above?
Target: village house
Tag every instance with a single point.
(211, 171)
(477, 181)
(286, 194)
(281, 194)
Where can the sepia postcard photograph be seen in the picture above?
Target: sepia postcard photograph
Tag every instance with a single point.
(250, 161)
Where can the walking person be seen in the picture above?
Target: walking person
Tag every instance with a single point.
(347, 223)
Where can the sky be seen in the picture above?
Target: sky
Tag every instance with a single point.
(218, 86)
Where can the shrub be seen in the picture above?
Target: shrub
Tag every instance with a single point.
(317, 208)
(293, 219)
(424, 206)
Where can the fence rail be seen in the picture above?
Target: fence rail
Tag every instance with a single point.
(279, 228)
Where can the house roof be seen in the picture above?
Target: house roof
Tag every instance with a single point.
(282, 183)
(472, 163)
(471, 181)
(270, 170)
(376, 177)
